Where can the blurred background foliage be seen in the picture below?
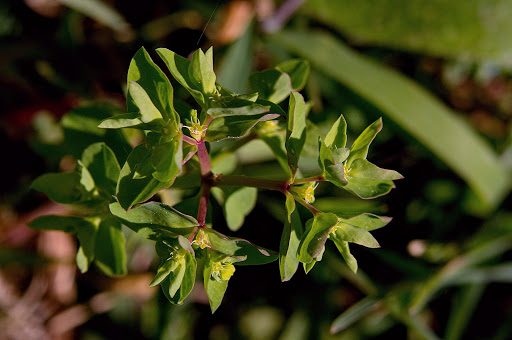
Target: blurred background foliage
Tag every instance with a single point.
(439, 72)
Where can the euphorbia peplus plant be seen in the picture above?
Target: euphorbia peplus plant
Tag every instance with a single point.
(176, 153)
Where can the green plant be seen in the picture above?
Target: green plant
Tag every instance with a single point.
(189, 156)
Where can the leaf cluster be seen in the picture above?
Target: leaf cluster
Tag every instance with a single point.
(177, 152)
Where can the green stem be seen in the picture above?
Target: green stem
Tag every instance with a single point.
(317, 178)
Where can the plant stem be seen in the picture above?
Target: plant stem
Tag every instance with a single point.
(204, 159)
(189, 140)
(262, 183)
(316, 178)
(311, 208)
(203, 204)
(206, 182)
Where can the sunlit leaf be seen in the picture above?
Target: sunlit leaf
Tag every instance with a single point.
(153, 215)
(148, 111)
(153, 80)
(353, 234)
(179, 66)
(337, 135)
(200, 72)
(359, 149)
(233, 127)
(296, 130)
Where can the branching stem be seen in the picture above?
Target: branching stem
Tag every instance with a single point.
(317, 178)
(311, 208)
(189, 140)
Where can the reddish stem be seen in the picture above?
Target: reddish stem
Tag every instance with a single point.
(317, 178)
(203, 204)
(206, 182)
(204, 159)
(189, 140)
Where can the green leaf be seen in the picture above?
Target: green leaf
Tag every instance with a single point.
(237, 205)
(233, 105)
(130, 120)
(167, 266)
(411, 107)
(200, 72)
(148, 111)
(289, 206)
(317, 232)
(87, 181)
(60, 187)
(109, 248)
(367, 180)
(290, 241)
(214, 289)
(336, 138)
(136, 182)
(361, 168)
(179, 67)
(368, 188)
(153, 80)
(166, 159)
(240, 248)
(67, 224)
(271, 85)
(353, 314)
(345, 252)
(353, 234)
(101, 162)
(155, 216)
(367, 221)
(359, 149)
(84, 229)
(233, 127)
(296, 131)
(333, 171)
(461, 29)
(177, 272)
(298, 70)
(81, 130)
